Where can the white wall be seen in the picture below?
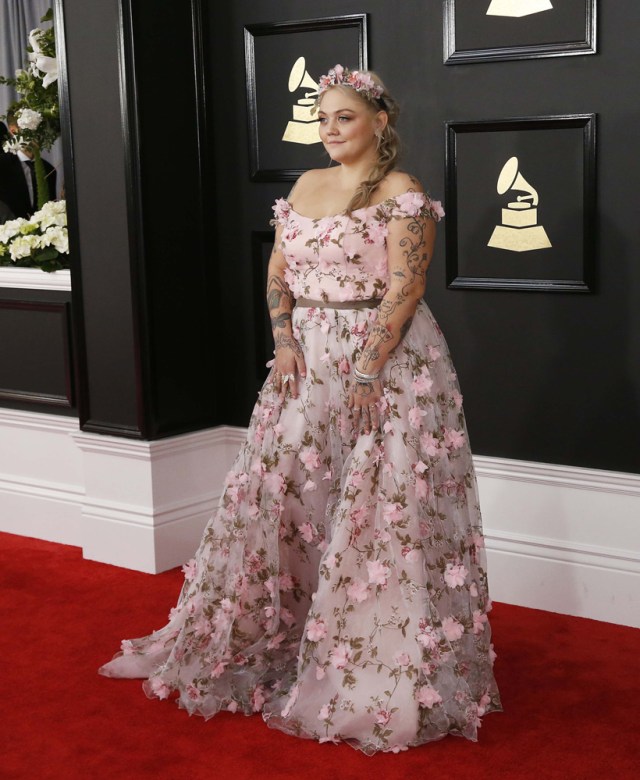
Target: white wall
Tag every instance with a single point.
(558, 538)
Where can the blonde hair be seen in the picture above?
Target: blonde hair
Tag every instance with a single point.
(388, 145)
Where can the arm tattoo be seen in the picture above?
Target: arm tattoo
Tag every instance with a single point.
(277, 290)
(287, 341)
(280, 320)
(415, 253)
(380, 334)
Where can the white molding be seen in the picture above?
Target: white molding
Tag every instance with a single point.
(37, 421)
(35, 279)
(558, 538)
(564, 552)
(560, 476)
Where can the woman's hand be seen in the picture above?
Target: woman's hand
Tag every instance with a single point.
(288, 366)
(364, 398)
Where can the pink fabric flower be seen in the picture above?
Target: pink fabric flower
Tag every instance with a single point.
(324, 713)
(479, 620)
(275, 641)
(430, 444)
(423, 382)
(427, 636)
(218, 669)
(452, 628)
(436, 210)
(189, 570)
(401, 658)
(358, 590)
(307, 531)
(340, 656)
(378, 572)
(415, 417)
(383, 717)
(434, 353)
(193, 693)
(343, 366)
(159, 688)
(410, 554)
(453, 439)
(316, 630)
(310, 458)
(274, 483)
(392, 513)
(409, 203)
(281, 209)
(286, 581)
(455, 575)
(428, 696)
(257, 698)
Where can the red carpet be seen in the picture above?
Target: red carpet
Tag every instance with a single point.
(570, 688)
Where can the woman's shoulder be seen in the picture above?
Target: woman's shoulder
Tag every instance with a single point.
(398, 183)
(402, 195)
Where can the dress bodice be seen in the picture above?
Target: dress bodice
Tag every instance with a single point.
(343, 257)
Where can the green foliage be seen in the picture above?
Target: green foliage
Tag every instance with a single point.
(37, 85)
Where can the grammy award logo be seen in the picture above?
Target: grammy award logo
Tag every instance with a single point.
(303, 128)
(519, 231)
(518, 8)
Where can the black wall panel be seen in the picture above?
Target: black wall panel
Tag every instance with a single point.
(36, 365)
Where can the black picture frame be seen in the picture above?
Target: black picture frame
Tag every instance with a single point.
(271, 49)
(555, 156)
(470, 36)
(262, 242)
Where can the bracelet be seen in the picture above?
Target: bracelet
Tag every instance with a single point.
(364, 378)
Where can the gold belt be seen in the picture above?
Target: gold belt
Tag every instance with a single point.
(368, 303)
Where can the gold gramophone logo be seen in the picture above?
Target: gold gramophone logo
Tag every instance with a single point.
(303, 128)
(519, 231)
(518, 8)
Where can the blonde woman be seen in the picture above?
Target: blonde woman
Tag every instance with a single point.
(341, 587)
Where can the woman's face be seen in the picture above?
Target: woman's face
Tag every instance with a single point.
(348, 125)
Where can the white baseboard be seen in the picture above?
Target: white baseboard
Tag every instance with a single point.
(559, 538)
(562, 539)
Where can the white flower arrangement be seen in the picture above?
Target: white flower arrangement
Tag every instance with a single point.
(41, 241)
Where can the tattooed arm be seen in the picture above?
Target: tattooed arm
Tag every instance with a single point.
(289, 360)
(410, 248)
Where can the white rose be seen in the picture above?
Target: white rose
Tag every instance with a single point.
(28, 119)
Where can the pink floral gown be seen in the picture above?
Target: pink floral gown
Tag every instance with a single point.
(341, 587)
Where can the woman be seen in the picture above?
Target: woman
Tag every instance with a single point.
(341, 589)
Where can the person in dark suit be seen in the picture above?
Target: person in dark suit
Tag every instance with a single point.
(17, 177)
(5, 212)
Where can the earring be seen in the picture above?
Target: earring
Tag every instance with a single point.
(378, 138)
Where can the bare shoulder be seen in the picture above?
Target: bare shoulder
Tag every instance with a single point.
(308, 181)
(397, 183)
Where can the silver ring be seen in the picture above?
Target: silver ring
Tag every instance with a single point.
(286, 378)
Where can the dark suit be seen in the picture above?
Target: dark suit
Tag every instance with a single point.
(13, 185)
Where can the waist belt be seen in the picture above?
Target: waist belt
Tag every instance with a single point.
(368, 303)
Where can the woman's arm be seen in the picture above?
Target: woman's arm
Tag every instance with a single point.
(410, 248)
(288, 354)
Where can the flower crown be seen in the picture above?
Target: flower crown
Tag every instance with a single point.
(361, 82)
